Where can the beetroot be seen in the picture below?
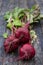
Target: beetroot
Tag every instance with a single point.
(10, 44)
(23, 31)
(27, 51)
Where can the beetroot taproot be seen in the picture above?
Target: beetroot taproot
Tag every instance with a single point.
(27, 51)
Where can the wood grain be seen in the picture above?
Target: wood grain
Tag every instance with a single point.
(8, 59)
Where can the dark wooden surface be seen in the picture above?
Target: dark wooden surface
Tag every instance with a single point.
(8, 59)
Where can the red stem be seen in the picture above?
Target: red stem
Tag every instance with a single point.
(27, 24)
(13, 30)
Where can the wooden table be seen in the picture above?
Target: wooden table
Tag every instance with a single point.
(8, 59)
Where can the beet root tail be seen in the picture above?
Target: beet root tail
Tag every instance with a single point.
(19, 58)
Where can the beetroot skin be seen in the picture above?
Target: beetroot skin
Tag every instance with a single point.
(23, 31)
(10, 44)
(27, 51)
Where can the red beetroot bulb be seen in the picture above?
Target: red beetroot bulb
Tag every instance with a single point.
(23, 31)
(27, 51)
(10, 44)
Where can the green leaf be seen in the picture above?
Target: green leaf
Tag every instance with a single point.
(17, 23)
(41, 15)
(9, 25)
(5, 35)
(37, 18)
(32, 32)
(27, 13)
(7, 15)
(31, 18)
(17, 11)
(10, 18)
(21, 15)
(26, 10)
(33, 7)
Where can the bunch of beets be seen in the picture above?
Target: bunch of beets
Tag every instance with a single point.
(20, 36)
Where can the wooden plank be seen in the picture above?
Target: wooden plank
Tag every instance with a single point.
(8, 59)
(22, 3)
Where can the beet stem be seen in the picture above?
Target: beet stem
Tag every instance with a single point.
(27, 25)
(13, 30)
